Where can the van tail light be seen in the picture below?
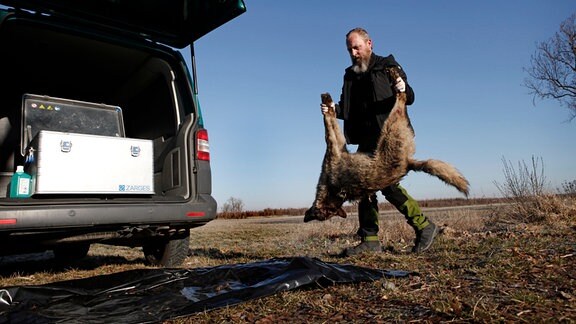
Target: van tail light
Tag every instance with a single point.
(8, 221)
(202, 145)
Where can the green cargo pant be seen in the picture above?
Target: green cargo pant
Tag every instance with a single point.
(399, 198)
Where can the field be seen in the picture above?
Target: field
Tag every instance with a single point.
(482, 268)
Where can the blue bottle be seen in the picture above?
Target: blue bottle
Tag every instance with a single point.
(21, 184)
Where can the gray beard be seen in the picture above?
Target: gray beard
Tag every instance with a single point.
(360, 66)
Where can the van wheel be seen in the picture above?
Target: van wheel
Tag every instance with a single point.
(168, 253)
(71, 252)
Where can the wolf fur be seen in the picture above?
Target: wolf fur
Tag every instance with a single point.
(349, 176)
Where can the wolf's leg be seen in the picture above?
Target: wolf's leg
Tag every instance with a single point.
(340, 140)
(332, 146)
(330, 155)
(336, 144)
(327, 204)
(396, 129)
(396, 141)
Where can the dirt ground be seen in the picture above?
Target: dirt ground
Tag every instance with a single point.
(473, 273)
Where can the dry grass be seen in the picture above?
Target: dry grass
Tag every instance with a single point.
(480, 269)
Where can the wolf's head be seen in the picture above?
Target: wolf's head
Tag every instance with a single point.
(323, 213)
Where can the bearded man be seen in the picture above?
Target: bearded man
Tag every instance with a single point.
(366, 101)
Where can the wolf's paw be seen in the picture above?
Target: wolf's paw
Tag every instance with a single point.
(326, 99)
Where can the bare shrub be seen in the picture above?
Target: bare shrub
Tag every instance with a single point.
(525, 189)
(568, 188)
(233, 205)
(232, 208)
(524, 182)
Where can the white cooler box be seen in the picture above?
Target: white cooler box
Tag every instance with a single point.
(70, 163)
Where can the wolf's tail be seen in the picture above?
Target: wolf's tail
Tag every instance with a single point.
(446, 172)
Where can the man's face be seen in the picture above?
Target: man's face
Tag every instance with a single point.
(360, 51)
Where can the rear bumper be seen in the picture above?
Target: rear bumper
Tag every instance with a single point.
(92, 216)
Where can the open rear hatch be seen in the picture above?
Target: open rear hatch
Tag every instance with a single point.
(176, 23)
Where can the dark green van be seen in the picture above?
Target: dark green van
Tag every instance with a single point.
(124, 54)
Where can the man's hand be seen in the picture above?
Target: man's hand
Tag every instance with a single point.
(400, 85)
(327, 107)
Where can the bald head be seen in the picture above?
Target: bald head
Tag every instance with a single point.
(359, 47)
(360, 31)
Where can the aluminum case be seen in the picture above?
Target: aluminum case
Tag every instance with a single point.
(71, 163)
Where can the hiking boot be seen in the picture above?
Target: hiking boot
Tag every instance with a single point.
(425, 237)
(365, 246)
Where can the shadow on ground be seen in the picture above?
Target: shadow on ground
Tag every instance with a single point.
(33, 263)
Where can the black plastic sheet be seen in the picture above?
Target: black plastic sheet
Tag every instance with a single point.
(154, 295)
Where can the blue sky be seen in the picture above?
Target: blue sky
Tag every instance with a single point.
(260, 77)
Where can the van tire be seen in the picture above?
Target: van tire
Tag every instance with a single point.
(168, 253)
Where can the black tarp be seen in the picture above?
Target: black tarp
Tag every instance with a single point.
(154, 295)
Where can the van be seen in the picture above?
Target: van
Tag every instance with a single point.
(91, 76)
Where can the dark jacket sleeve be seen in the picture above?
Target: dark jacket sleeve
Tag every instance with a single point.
(342, 107)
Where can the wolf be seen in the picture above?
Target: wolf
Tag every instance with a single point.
(349, 176)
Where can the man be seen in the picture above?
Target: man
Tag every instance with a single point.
(366, 101)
